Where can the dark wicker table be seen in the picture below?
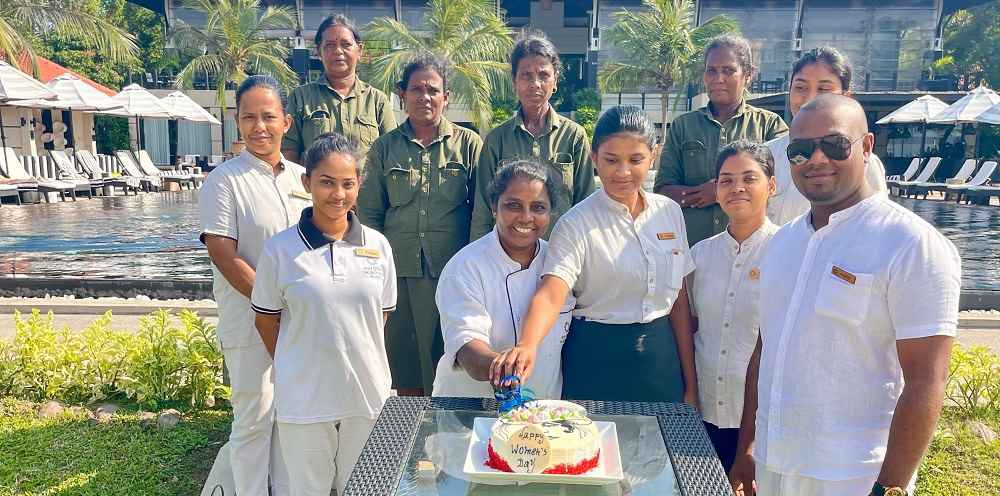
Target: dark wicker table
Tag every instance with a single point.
(679, 461)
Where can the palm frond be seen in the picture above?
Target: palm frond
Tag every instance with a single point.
(41, 16)
(14, 48)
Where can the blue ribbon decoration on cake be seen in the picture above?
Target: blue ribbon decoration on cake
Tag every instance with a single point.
(511, 396)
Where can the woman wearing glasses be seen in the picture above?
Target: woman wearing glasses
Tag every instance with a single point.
(485, 289)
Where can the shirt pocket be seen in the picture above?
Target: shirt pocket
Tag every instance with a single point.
(366, 127)
(676, 263)
(563, 164)
(694, 158)
(315, 124)
(453, 182)
(843, 300)
(399, 185)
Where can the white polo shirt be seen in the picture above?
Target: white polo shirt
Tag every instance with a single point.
(330, 361)
(787, 202)
(244, 200)
(724, 291)
(621, 271)
(834, 302)
(484, 295)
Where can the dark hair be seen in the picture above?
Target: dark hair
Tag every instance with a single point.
(736, 44)
(336, 20)
(832, 58)
(261, 81)
(531, 44)
(528, 168)
(328, 144)
(425, 61)
(623, 119)
(758, 152)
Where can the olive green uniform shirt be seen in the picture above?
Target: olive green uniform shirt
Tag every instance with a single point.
(420, 197)
(564, 146)
(692, 147)
(364, 115)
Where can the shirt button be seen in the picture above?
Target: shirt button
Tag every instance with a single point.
(423, 212)
(422, 235)
(731, 294)
(723, 352)
(720, 378)
(725, 325)
(716, 221)
(738, 265)
(721, 403)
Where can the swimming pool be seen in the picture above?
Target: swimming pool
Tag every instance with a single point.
(155, 236)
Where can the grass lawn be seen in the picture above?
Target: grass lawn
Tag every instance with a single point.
(69, 455)
(960, 464)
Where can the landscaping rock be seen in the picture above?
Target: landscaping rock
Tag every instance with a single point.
(168, 419)
(108, 408)
(50, 409)
(981, 430)
(147, 420)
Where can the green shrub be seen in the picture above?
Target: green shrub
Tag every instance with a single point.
(160, 363)
(587, 97)
(587, 117)
(974, 381)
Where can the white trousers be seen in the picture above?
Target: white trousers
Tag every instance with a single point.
(255, 450)
(774, 484)
(322, 455)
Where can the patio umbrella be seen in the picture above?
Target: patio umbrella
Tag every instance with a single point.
(968, 108)
(136, 102)
(16, 85)
(991, 115)
(72, 93)
(182, 105)
(918, 111)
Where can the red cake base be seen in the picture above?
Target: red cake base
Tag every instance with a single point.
(496, 462)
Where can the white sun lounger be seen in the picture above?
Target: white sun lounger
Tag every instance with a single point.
(88, 162)
(18, 175)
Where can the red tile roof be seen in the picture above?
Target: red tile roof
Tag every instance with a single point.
(49, 70)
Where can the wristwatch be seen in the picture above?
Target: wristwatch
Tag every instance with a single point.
(880, 490)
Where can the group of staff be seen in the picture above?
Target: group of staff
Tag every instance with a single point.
(423, 259)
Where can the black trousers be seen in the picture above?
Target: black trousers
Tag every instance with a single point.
(725, 441)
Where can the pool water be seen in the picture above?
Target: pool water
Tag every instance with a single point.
(155, 236)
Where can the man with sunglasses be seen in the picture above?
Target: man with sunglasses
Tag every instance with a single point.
(846, 384)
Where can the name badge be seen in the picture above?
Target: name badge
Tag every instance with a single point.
(844, 275)
(754, 274)
(301, 195)
(366, 252)
(665, 236)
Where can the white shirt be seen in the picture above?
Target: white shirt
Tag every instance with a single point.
(724, 291)
(787, 202)
(834, 302)
(243, 200)
(484, 295)
(622, 271)
(330, 361)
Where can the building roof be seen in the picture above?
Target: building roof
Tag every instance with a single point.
(49, 70)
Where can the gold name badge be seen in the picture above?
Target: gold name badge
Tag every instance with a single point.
(665, 236)
(844, 275)
(366, 252)
(754, 274)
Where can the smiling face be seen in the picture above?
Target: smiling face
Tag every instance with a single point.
(724, 77)
(811, 81)
(333, 184)
(535, 81)
(825, 181)
(424, 97)
(622, 162)
(522, 212)
(262, 121)
(743, 188)
(339, 51)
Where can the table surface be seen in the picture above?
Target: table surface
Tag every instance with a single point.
(664, 451)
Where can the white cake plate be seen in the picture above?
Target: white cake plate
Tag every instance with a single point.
(608, 469)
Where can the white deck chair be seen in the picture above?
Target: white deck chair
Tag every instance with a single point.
(130, 168)
(923, 177)
(981, 179)
(960, 177)
(18, 175)
(908, 174)
(68, 173)
(91, 168)
(146, 165)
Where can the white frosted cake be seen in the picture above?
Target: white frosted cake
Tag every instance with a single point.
(547, 437)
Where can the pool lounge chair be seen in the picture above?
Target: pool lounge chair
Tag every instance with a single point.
(960, 177)
(981, 179)
(9, 190)
(16, 174)
(146, 165)
(908, 174)
(88, 162)
(130, 168)
(924, 176)
(68, 173)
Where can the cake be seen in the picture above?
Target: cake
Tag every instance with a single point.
(546, 437)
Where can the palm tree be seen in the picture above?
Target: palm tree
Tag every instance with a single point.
(233, 44)
(20, 20)
(469, 34)
(660, 48)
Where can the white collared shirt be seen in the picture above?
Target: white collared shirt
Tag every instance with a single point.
(622, 271)
(787, 202)
(484, 295)
(243, 200)
(834, 303)
(724, 291)
(330, 360)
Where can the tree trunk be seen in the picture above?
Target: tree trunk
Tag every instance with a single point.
(664, 98)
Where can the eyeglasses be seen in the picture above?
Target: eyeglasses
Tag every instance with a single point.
(835, 147)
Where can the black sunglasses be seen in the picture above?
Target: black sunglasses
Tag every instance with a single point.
(835, 147)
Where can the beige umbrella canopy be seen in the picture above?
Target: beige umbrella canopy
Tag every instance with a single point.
(135, 101)
(918, 111)
(991, 115)
(185, 108)
(968, 108)
(16, 85)
(72, 93)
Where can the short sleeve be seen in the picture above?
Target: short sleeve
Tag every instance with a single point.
(293, 138)
(689, 280)
(776, 128)
(669, 172)
(461, 302)
(266, 297)
(567, 248)
(924, 287)
(217, 208)
(389, 289)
